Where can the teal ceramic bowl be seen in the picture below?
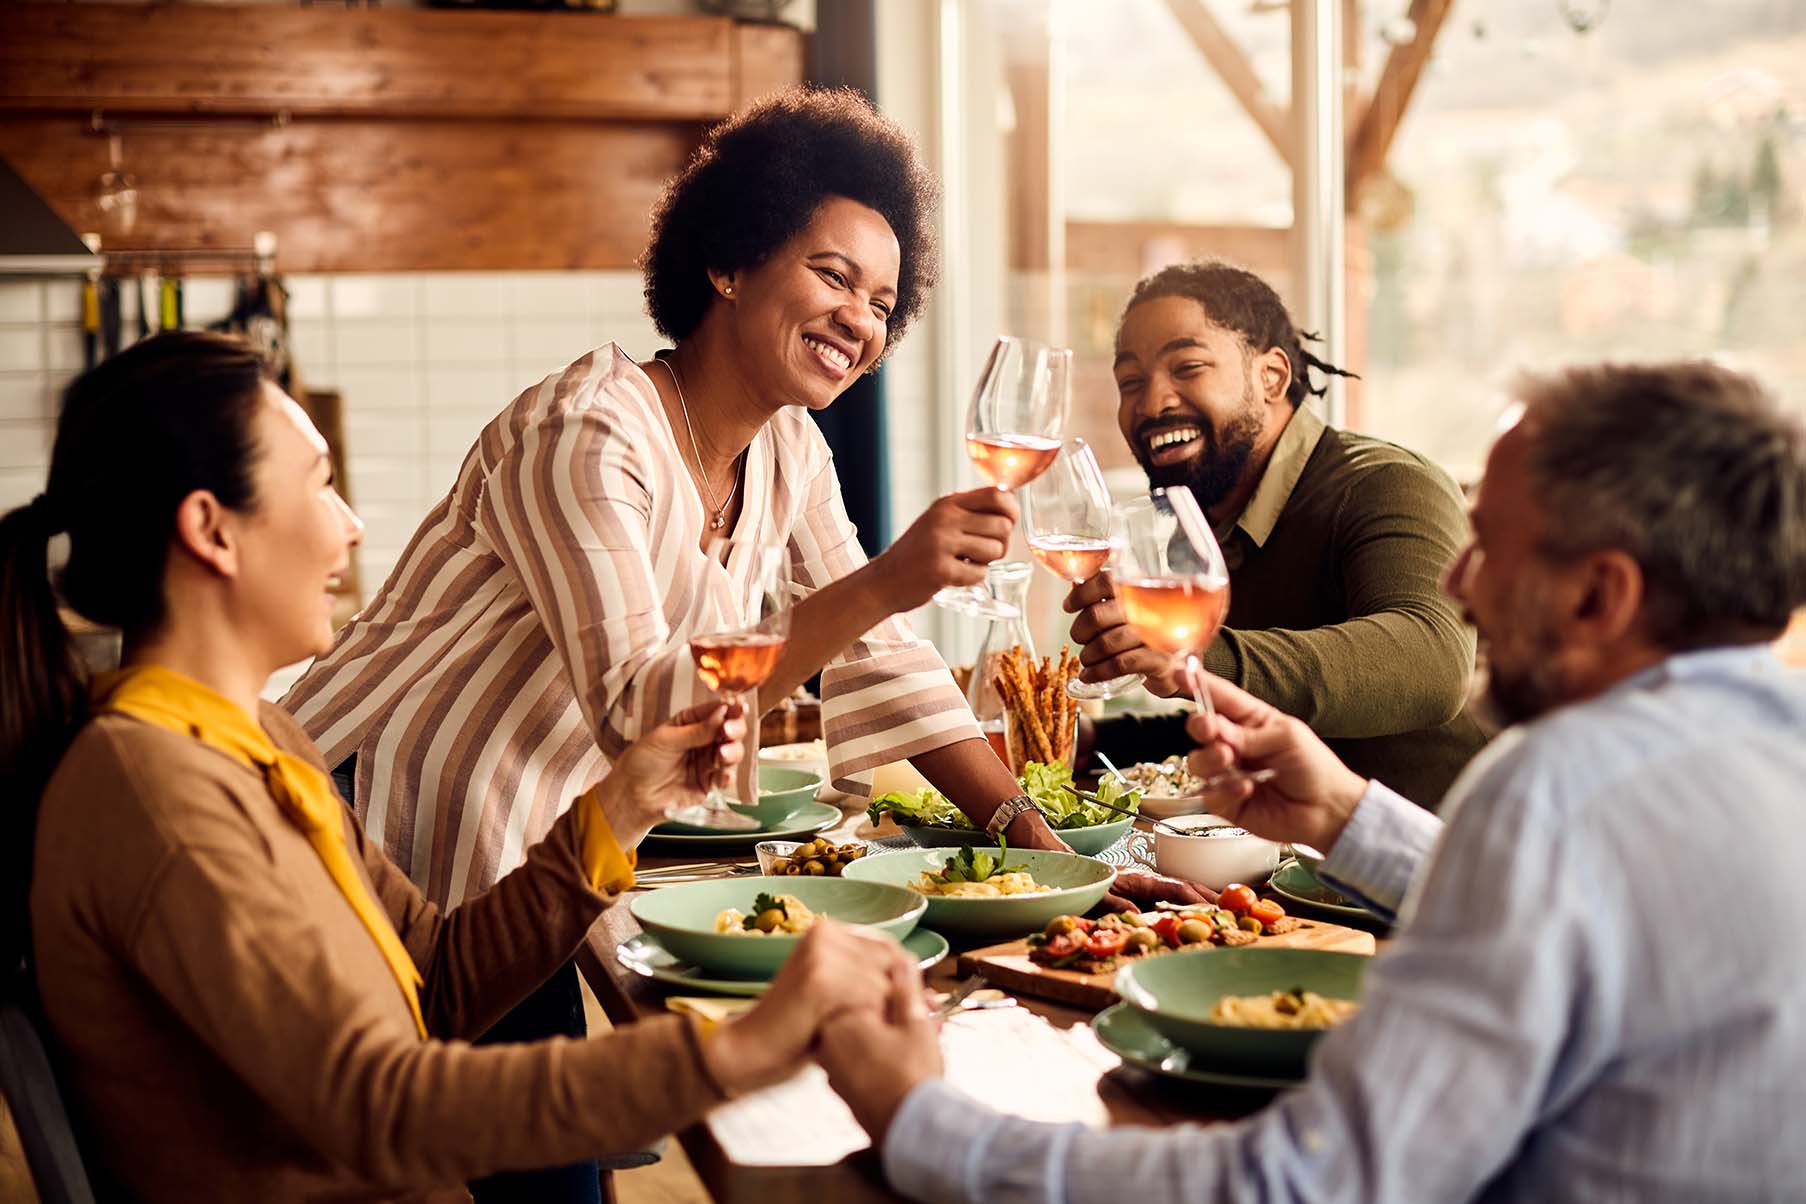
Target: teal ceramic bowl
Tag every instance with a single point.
(1078, 882)
(682, 918)
(1176, 993)
(1087, 842)
(782, 792)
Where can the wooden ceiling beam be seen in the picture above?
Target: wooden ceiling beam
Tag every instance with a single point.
(1221, 52)
(1392, 95)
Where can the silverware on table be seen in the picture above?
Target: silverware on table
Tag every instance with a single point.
(694, 867)
(947, 1006)
(677, 875)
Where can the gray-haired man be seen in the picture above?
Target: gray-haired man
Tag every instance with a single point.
(1592, 995)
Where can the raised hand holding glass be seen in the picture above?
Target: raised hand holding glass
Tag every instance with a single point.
(1013, 434)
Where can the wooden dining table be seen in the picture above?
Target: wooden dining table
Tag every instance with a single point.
(798, 1144)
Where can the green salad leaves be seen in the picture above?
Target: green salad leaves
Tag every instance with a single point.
(929, 808)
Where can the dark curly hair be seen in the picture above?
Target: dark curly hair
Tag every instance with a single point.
(756, 181)
(1236, 299)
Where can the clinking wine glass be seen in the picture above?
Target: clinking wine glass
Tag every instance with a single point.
(1067, 511)
(735, 660)
(1012, 434)
(1173, 584)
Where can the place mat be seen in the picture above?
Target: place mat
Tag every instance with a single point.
(1050, 1075)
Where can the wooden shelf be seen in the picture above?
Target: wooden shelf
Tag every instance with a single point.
(418, 139)
(175, 58)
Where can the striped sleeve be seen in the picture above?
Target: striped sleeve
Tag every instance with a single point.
(568, 509)
(889, 695)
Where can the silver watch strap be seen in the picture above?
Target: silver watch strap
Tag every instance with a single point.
(1007, 811)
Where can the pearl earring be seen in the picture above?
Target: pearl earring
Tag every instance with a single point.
(729, 290)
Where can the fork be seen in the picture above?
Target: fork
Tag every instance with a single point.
(947, 1006)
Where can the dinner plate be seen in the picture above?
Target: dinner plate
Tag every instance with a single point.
(1292, 882)
(1127, 1033)
(646, 957)
(805, 821)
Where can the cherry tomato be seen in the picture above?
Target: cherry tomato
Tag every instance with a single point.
(1063, 945)
(1266, 911)
(1107, 942)
(1167, 929)
(1236, 897)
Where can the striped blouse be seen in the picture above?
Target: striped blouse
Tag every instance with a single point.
(538, 622)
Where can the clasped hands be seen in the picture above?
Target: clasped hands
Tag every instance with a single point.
(852, 1000)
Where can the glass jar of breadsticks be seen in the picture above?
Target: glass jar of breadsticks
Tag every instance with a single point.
(1041, 720)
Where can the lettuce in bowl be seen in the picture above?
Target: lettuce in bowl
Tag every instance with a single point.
(929, 808)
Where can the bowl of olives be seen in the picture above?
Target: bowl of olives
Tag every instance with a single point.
(817, 858)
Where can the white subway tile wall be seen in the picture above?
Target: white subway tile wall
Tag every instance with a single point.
(423, 361)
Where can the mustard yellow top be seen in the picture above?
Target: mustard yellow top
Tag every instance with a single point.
(178, 703)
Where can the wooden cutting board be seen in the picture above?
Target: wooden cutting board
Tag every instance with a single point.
(1008, 966)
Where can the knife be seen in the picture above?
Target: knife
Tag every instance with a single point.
(947, 1005)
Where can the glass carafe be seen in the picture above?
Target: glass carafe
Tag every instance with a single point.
(1008, 581)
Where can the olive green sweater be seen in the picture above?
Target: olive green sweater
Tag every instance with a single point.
(1336, 612)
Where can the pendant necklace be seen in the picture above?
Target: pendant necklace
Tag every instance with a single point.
(702, 474)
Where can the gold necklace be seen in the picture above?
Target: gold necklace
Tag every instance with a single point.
(702, 474)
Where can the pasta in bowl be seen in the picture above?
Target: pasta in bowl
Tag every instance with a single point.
(690, 921)
(1297, 1008)
(771, 915)
(977, 891)
(1217, 1004)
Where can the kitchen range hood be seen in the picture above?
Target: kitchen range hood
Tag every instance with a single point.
(34, 241)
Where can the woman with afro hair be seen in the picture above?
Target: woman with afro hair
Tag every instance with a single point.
(539, 620)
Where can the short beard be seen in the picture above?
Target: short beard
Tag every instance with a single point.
(1219, 467)
(1534, 686)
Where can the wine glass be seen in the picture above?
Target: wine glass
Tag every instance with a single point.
(1173, 584)
(733, 661)
(1068, 515)
(1012, 434)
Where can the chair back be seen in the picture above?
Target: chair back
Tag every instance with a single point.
(30, 1087)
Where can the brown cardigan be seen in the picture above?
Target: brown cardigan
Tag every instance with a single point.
(230, 1031)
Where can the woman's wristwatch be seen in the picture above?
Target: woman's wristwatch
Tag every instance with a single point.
(1007, 811)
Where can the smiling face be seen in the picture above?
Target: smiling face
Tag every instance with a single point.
(1193, 402)
(813, 316)
(295, 543)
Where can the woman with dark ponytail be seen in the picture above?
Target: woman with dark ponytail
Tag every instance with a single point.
(250, 1002)
(136, 434)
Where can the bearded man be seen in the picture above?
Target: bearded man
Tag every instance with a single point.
(1547, 1025)
(1335, 541)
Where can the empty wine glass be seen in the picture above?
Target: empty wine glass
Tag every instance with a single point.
(1012, 434)
(1173, 584)
(1067, 511)
(737, 659)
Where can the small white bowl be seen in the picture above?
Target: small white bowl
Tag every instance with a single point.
(1210, 851)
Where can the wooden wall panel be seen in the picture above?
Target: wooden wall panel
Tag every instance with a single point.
(202, 58)
(420, 139)
(766, 58)
(374, 195)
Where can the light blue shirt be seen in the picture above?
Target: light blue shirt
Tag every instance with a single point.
(1598, 992)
